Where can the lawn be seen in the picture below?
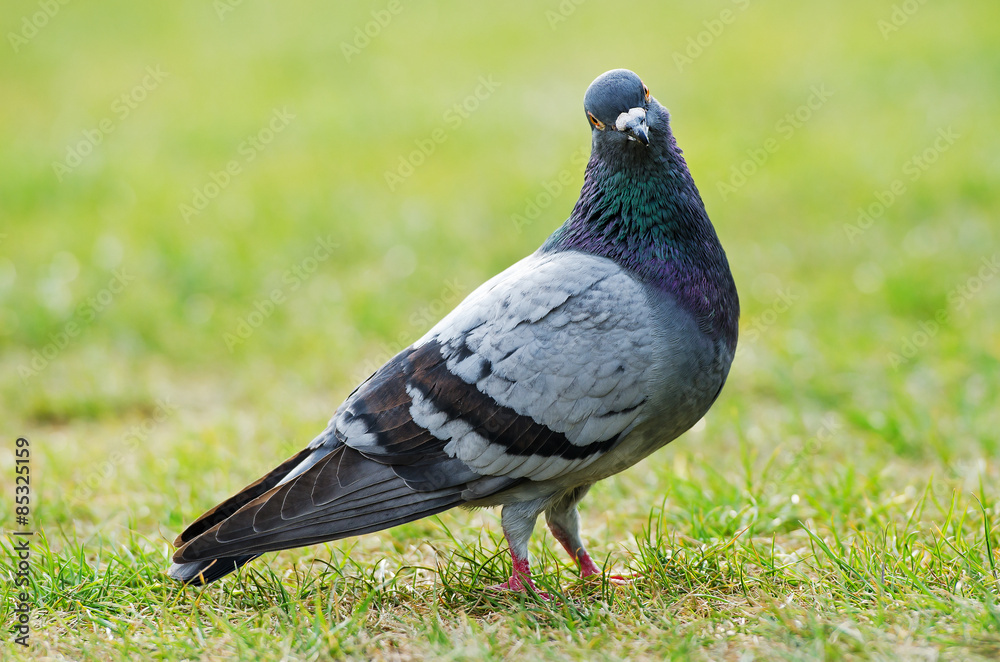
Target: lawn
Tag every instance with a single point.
(217, 218)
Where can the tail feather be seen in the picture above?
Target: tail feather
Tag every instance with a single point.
(343, 494)
(199, 573)
(220, 512)
(317, 531)
(342, 483)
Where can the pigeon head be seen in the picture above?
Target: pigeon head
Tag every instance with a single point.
(639, 206)
(617, 104)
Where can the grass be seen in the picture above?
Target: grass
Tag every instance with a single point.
(840, 500)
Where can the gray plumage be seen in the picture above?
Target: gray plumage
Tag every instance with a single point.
(566, 368)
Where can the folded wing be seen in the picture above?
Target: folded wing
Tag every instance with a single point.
(535, 375)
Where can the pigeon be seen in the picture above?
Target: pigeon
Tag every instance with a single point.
(606, 343)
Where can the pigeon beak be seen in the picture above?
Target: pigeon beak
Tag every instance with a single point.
(633, 124)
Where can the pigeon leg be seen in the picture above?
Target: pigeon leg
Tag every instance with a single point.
(565, 526)
(568, 535)
(571, 543)
(520, 579)
(518, 520)
(564, 522)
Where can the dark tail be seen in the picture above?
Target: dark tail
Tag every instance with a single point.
(199, 573)
(341, 494)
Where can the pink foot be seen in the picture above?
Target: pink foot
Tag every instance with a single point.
(623, 580)
(580, 556)
(520, 581)
(518, 586)
(587, 565)
(588, 569)
(512, 584)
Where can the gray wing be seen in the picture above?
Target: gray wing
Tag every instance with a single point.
(536, 374)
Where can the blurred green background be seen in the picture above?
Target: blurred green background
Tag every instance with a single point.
(120, 308)
(405, 256)
(729, 72)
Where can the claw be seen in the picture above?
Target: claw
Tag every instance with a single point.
(519, 585)
(624, 580)
(520, 580)
(589, 569)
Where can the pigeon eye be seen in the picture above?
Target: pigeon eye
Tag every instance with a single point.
(645, 90)
(598, 124)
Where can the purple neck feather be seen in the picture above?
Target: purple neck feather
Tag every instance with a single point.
(640, 207)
